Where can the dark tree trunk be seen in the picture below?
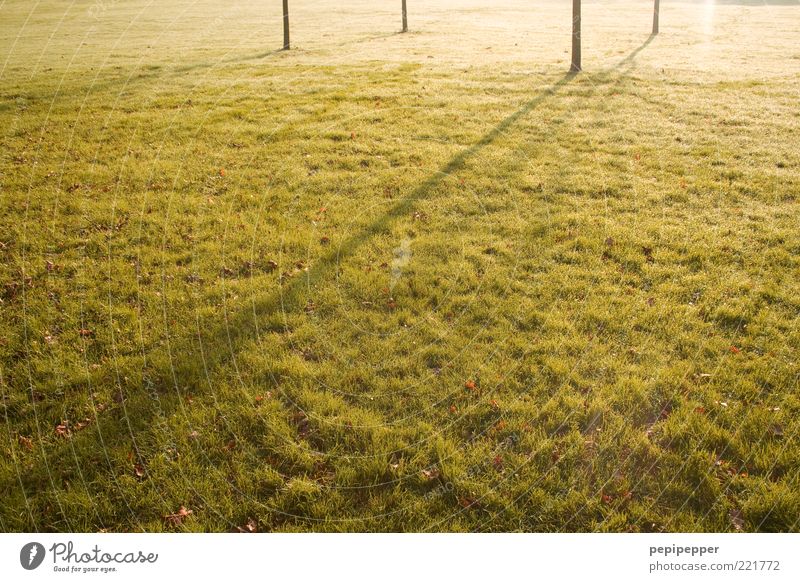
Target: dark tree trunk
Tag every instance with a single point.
(286, 25)
(655, 16)
(575, 65)
(405, 17)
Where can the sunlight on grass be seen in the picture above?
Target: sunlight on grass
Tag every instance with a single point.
(342, 292)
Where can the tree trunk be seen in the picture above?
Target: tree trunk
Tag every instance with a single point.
(575, 66)
(286, 25)
(405, 17)
(655, 16)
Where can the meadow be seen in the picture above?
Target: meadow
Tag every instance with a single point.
(399, 282)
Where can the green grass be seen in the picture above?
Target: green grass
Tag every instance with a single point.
(398, 297)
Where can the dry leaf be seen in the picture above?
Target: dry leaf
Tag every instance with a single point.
(431, 473)
(737, 519)
(178, 517)
(249, 527)
(467, 502)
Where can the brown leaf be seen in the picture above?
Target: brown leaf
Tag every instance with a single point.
(26, 442)
(497, 462)
(138, 470)
(86, 333)
(431, 473)
(469, 385)
(63, 430)
(467, 502)
(178, 517)
(250, 527)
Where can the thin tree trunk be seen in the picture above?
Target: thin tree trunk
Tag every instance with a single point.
(405, 17)
(286, 25)
(575, 65)
(655, 16)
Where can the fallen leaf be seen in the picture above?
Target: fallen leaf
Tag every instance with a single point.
(178, 517)
(249, 527)
(63, 430)
(467, 502)
(497, 462)
(26, 442)
(431, 473)
(138, 470)
(734, 350)
(86, 333)
(469, 385)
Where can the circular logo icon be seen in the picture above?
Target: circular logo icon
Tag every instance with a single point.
(31, 555)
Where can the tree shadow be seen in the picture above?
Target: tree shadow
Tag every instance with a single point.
(244, 324)
(220, 343)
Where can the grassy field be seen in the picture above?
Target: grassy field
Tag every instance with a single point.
(421, 282)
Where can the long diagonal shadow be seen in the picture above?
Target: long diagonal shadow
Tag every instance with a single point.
(245, 324)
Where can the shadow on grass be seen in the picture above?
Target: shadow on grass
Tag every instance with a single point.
(174, 72)
(244, 325)
(220, 344)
